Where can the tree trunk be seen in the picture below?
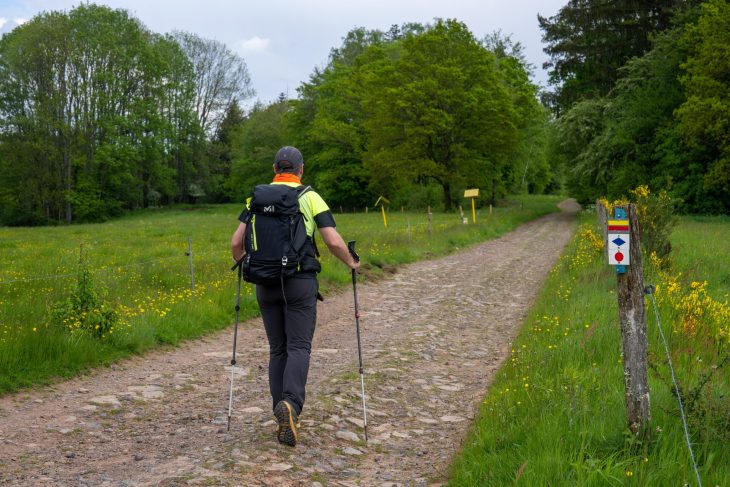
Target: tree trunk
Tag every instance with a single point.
(447, 196)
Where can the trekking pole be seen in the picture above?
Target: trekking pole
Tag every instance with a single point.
(235, 337)
(351, 248)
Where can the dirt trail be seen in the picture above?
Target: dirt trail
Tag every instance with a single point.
(433, 336)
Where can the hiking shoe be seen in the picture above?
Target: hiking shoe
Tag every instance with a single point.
(286, 416)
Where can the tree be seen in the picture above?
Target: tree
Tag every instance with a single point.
(439, 111)
(327, 120)
(703, 117)
(220, 153)
(589, 40)
(96, 116)
(253, 147)
(529, 169)
(221, 76)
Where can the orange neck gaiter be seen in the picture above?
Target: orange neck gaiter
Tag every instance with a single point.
(285, 177)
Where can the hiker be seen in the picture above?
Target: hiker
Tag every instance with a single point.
(287, 293)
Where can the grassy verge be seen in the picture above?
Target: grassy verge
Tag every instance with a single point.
(555, 414)
(138, 268)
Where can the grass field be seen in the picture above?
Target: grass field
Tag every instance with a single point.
(139, 267)
(555, 414)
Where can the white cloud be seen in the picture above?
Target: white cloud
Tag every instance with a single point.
(20, 20)
(3, 21)
(254, 44)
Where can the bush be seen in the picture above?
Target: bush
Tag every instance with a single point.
(656, 220)
(85, 311)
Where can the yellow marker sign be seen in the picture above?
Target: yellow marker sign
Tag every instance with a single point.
(473, 194)
(382, 201)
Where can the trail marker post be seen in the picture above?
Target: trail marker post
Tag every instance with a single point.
(473, 194)
(382, 201)
(624, 252)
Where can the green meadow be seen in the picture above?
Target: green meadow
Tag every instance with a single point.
(139, 268)
(555, 413)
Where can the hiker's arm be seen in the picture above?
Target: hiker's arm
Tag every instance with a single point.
(338, 247)
(237, 242)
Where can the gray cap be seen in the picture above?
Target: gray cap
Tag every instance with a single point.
(288, 157)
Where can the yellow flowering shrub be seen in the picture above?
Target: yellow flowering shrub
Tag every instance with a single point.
(589, 247)
(698, 312)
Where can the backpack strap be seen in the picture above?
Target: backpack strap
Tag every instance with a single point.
(302, 190)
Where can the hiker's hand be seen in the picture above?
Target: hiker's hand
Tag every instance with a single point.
(355, 265)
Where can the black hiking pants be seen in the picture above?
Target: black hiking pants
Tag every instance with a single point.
(289, 318)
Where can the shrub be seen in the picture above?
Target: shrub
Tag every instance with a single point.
(656, 220)
(85, 311)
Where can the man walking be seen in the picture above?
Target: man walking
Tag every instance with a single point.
(288, 305)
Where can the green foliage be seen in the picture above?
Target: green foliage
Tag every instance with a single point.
(420, 106)
(140, 261)
(656, 220)
(703, 116)
(555, 413)
(254, 143)
(589, 40)
(97, 117)
(657, 127)
(439, 111)
(85, 311)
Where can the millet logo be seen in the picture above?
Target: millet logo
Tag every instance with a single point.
(269, 209)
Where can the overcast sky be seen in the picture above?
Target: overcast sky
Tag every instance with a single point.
(283, 40)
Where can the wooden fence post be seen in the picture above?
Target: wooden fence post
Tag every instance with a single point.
(630, 294)
(430, 222)
(189, 253)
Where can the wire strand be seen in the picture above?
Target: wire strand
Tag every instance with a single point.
(650, 292)
(104, 268)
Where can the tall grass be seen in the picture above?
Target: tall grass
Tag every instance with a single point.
(555, 414)
(139, 267)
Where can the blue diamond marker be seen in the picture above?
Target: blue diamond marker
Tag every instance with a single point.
(618, 241)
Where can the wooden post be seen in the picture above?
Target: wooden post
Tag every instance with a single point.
(430, 223)
(461, 213)
(190, 254)
(366, 210)
(409, 231)
(630, 293)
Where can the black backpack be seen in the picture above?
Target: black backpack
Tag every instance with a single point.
(276, 241)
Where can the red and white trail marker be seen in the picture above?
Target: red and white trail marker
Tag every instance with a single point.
(618, 249)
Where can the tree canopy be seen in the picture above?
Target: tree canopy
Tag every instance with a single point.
(403, 112)
(99, 115)
(661, 121)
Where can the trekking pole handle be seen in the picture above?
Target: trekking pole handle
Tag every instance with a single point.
(351, 248)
